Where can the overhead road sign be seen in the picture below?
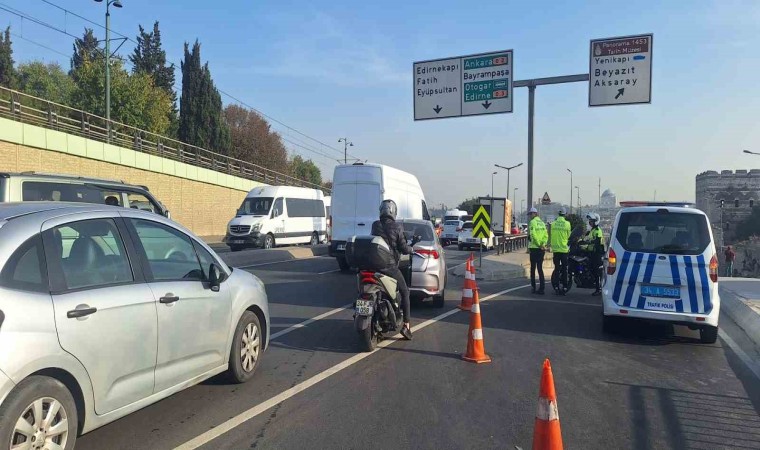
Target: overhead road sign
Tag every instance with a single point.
(481, 224)
(620, 71)
(463, 86)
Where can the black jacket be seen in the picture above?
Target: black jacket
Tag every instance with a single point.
(393, 233)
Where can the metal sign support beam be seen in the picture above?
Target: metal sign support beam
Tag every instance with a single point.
(531, 85)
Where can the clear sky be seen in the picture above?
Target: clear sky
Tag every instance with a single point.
(344, 68)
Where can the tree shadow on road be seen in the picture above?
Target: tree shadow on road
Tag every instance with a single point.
(690, 419)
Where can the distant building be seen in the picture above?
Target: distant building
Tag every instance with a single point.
(608, 200)
(738, 190)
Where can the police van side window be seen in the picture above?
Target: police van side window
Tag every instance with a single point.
(663, 232)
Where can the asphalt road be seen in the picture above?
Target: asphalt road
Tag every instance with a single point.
(646, 387)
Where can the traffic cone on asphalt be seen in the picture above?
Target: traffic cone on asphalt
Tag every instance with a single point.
(469, 287)
(546, 432)
(476, 351)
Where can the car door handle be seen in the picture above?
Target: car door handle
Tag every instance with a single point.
(81, 312)
(168, 298)
(360, 224)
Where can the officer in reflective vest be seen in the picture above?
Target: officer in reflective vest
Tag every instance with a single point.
(559, 238)
(593, 244)
(537, 248)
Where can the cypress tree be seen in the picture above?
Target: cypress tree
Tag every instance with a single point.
(86, 48)
(7, 73)
(149, 58)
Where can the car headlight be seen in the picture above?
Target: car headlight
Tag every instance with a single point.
(256, 227)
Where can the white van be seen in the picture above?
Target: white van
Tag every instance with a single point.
(662, 265)
(358, 190)
(278, 215)
(328, 215)
(452, 225)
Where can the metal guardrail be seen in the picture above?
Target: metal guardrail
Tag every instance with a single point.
(32, 110)
(510, 243)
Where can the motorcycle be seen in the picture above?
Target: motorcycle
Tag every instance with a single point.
(579, 268)
(377, 311)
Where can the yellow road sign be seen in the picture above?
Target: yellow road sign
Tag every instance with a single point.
(481, 222)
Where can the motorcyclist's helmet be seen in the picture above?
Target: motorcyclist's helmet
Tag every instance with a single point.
(593, 217)
(388, 209)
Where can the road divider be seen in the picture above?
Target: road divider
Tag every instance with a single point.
(249, 414)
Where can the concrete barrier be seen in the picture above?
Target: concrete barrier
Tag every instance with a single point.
(740, 300)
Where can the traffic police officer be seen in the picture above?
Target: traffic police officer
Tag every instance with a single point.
(559, 238)
(537, 248)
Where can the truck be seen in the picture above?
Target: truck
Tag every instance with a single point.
(501, 216)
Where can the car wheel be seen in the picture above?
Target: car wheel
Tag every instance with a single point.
(314, 239)
(439, 300)
(708, 334)
(269, 241)
(247, 346)
(460, 247)
(39, 413)
(342, 263)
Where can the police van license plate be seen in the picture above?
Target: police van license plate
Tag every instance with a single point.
(364, 307)
(661, 291)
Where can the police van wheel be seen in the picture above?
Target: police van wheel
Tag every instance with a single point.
(708, 334)
(609, 324)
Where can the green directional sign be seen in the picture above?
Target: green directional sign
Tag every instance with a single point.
(481, 222)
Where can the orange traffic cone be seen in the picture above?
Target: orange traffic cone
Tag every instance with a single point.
(468, 288)
(476, 351)
(546, 432)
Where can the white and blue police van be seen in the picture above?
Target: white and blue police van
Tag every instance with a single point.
(662, 265)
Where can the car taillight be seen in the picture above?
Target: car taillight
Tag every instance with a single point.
(611, 262)
(433, 253)
(714, 269)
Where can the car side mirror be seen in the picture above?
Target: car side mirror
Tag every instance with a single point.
(216, 277)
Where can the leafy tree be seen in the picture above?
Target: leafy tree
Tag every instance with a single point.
(149, 58)
(135, 100)
(201, 118)
(253, 140)
(7, 73)
(86, 48)
(749, 226)
(469, 205)
(46, 81)
(305, 170)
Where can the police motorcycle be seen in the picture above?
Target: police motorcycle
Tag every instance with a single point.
(377, 311)
(579, 268)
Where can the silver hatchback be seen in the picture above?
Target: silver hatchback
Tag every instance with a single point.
(105, 310)
(428, 263)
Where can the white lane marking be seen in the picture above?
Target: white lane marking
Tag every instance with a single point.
(245, 416)
(329, 271)
(308, 321)
(285, 325)
(552, 301)
(458, 265)
(751, 365)
(277, 262)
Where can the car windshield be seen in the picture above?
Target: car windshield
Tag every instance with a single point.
(663, 232)
(452, 223)
(467, 226)
(449, 218)
(256, 206)
(419, 229)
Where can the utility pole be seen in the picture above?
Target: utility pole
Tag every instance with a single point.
(599, 203)
(346, 144)
(508, 169)
(116, 4)
(571, 190)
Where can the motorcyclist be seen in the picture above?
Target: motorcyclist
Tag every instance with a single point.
(593, 245)
(560, 234)
(393, 234)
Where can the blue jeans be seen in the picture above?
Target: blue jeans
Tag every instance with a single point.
(729, 268)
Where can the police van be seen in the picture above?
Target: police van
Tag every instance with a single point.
(662, 265)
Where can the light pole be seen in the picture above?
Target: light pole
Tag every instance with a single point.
(508, 169)
(116, 4)
(578, 190)
(514, 196)
(346, 144)
(571, 190)
(522, 208)
(750, 153)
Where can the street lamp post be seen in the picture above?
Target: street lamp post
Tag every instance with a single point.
(116, 4)
(578, 190)
(571, 190)
(346, 144)
(508, 169)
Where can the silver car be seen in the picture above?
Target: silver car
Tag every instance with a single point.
(105, 310)
(428, 263)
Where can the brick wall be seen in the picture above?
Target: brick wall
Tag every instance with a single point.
(202, 207)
